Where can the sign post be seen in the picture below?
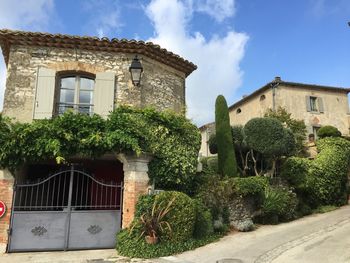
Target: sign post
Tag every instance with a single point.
(2, 209)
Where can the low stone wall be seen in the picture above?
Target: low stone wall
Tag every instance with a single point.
(241, 211)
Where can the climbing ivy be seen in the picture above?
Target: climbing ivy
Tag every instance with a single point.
(170, 138)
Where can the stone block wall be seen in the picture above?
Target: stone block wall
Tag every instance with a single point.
(161, 86)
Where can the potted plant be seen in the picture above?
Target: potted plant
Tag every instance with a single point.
(153, 223)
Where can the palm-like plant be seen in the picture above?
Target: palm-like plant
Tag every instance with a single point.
(153, 224)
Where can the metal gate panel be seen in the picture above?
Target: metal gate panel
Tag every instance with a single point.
(94, 229)
(68, 210)
(38, 231)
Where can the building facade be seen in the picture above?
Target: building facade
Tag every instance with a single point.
(49, 74)
(316, 105)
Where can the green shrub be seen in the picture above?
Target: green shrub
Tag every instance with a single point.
(226, 155)
(325, 209)
(250, 186)
(203, 226)
(297, 127)
(328, 174)
(328, 131)
(186, 217)
(213, 146)
(138, 248)
(295, 171)
(144, 204)
(280, 202)
(323, 180)
(181, 216)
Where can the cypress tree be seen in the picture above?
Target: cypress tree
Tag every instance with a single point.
(226, 155)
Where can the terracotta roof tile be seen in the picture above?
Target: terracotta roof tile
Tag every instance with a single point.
(149, 49)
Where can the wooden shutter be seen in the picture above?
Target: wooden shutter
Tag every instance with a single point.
(45, 93)
(104, 91)
(320, 105)
(308, 103)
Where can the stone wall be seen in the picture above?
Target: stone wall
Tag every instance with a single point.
(161, 86)
(241, 213)
(293, 99)
(252, 108)
(335, 103)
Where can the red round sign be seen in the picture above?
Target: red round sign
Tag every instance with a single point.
(2, 209)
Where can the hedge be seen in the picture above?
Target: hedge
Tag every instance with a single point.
(323, 180)
(190, 221)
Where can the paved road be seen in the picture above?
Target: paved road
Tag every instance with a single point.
(317, 238)
(322, 238)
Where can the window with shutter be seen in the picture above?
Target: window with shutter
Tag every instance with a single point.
(44, 95)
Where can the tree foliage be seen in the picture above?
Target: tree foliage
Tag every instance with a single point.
(226, 155)
(172, 140)
(297, 127)
(268, 137)
(328, 131)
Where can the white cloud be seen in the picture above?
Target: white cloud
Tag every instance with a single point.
(217, 58)
(24, 15)
(104, 17)
(219, 9)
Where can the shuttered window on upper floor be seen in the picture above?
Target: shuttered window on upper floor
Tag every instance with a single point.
(55, 93)
(314, 104)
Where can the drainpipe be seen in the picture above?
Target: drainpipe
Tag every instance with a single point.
(274, 85)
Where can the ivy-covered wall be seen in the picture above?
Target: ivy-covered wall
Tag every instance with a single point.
(170, 138)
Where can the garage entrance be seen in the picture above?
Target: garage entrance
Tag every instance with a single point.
(70, 209)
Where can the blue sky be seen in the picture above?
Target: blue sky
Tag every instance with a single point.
(238, 45)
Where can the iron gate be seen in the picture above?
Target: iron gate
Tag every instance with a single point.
(68, 210)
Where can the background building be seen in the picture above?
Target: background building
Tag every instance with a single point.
(317, 105)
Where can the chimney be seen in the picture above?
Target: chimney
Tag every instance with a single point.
(277, 79)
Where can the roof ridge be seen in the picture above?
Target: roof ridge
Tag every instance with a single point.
(10, 36)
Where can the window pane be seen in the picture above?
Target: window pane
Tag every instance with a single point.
(86, 83)
(68, 83)
(67, 96)
(313, 102)
(85, 97)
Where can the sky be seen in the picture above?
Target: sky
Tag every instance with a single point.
(238, 45)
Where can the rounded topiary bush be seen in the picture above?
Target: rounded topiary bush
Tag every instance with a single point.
(328, 131)
(181, 216)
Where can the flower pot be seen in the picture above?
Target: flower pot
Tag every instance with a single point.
(151, 240)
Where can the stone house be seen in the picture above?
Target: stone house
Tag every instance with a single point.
(48, 74)
(317, 105)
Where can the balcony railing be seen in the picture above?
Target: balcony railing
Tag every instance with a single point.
(81, 108)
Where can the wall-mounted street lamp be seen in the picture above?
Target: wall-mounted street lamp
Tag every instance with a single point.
(136, 70)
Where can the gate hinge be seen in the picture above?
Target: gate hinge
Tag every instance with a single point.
(9, 231)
